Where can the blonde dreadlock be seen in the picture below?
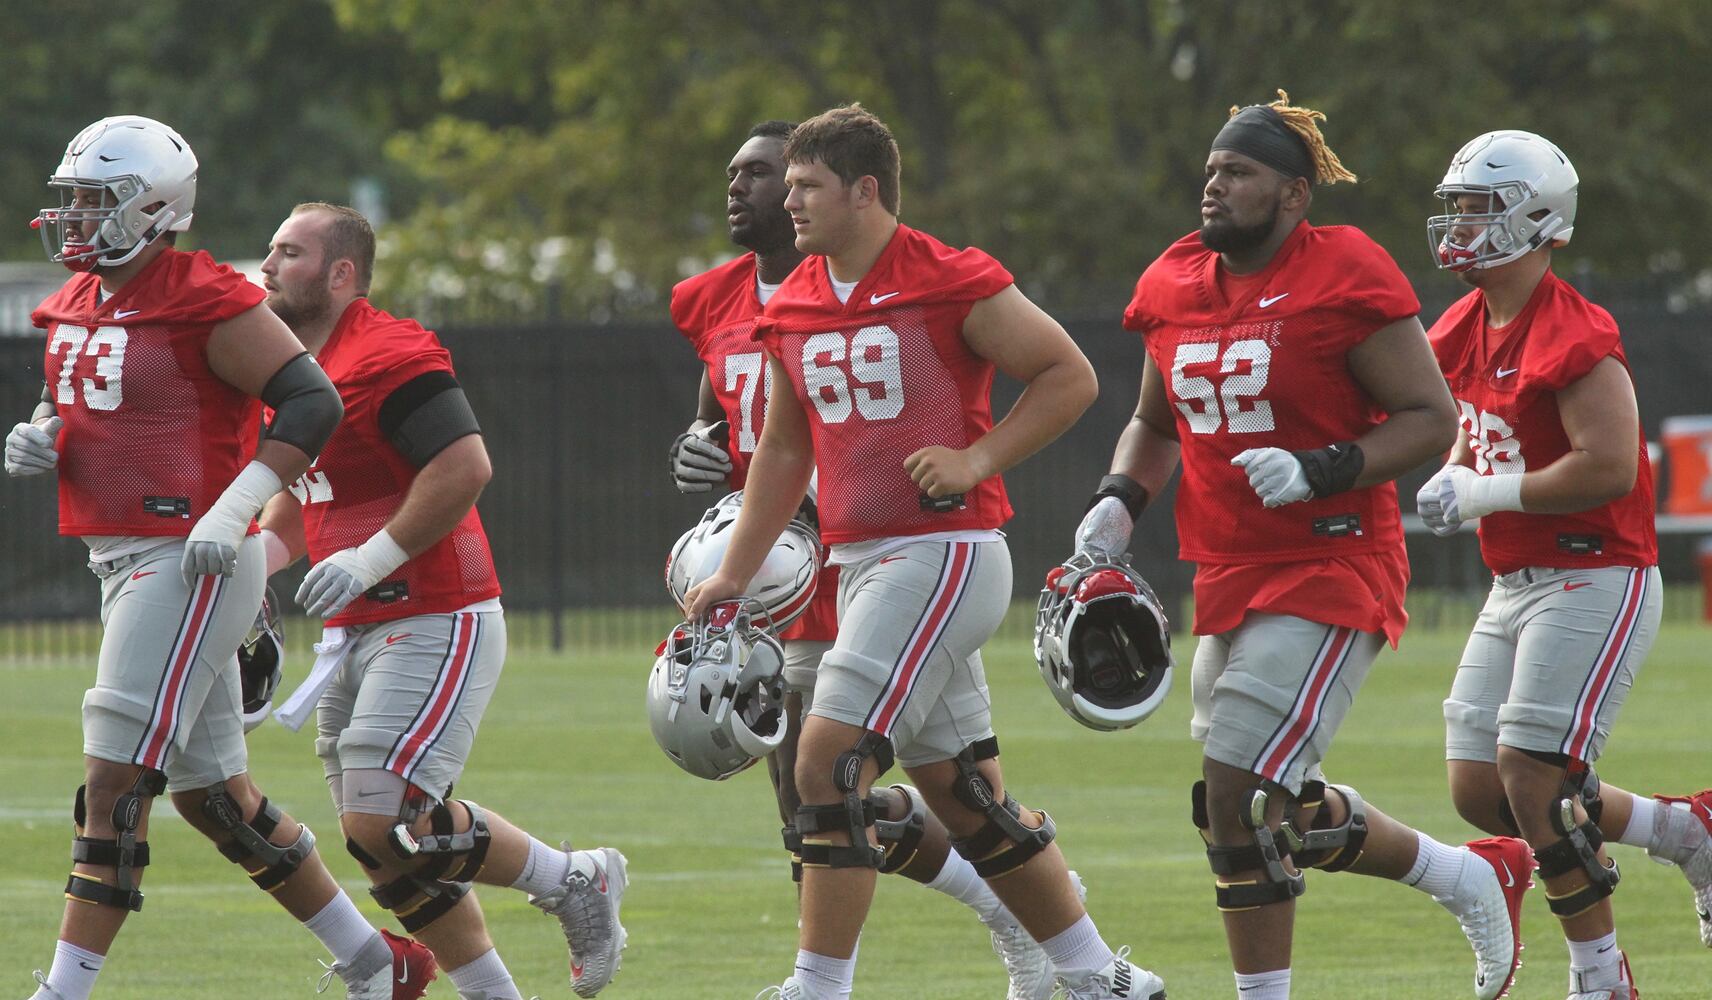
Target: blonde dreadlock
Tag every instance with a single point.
(1328, 169)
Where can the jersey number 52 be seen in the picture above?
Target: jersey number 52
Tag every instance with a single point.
(1235, 400)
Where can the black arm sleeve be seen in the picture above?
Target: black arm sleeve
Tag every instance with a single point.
(426, 414)
(47, 407)
(306, 407)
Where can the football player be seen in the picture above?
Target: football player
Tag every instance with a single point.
(1287, 372)
(888, 340)
(404, 577)
(158, 361)
(1553, 463)
(716, 312)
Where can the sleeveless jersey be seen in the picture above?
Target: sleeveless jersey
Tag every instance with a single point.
(1270, 368)
(152, 436)
(886, 374)
(1506, 383)
(716, 312)
(359, 480)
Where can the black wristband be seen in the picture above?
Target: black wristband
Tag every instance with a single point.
(1133, 494)
(1332, 469)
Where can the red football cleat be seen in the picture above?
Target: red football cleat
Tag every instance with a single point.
(1512, 860)
(413, 966)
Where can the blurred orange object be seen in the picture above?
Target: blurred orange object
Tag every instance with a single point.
(1688, 444)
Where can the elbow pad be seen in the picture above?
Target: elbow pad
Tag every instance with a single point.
(306, 407)
(426, 414)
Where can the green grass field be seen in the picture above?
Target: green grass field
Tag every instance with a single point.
(565, 752)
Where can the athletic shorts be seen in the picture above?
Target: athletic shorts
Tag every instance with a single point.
(166, 692)
(1551, 659)
(409, 696)
(1270, 694)
(907, 660)
(802, 660)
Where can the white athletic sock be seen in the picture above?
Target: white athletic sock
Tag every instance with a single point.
(485, 977)
(341, 928)
(1274, 985)
(1599, 957)
(958, 880)
(825, 977)
(74, 970)
(1079, 951)
(1438, 867)
(1639, 832)
(544, 871)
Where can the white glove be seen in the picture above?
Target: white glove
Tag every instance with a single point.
(697, 462)
(1106, 528)
(343, 576)
(30, 449)
(1465, 494)
(212, 546)
(1431, 508)
(1275, 474)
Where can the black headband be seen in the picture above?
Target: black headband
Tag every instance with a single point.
(1258, 132)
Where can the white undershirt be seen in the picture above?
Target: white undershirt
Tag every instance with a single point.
(842, 289)
(764, 291)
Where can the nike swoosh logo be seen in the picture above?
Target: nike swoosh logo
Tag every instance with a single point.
(576, 970)
(1268, 300)
(875, 300)
(1507, 372)
(1480, 980)
(1509, 878)
(86, 965)
(1704, 915)
(139, 574)
(394, 638)
(1707, 809)
(892, 559)
(1577, 586)
(371, 791)
(404, 973)
(125, 313)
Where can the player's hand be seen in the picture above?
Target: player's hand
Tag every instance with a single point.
(343, 576)
(709, 592)
(30, 448)
(698, 462)
(1275, 475)
(941, 471)
(1454, 483)
(1106, 528)
(1430, 506)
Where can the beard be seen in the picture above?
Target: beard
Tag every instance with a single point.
(1227, 237)
(303, 308)
(765, 233)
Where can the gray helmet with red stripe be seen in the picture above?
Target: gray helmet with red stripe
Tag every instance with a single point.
(782, 587)
(716, 694)
(1102, 642)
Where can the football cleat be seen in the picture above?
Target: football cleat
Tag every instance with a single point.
(1623, 989)
(790, 989)
(1694, 856)
(1026, 964)
(587, 908)
(1488, 904)
(1119, 980)
(43, 990)
(388, 968)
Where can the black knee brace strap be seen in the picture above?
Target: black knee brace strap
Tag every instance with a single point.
(124, 852)
(1266, 855)
(443, 848)
(1326, 847)
(901, 838)
(853, 816)
(356, 850)
(1579, 849)
(793, 846)
(268, 864)
(1004, 843)
(417, 901)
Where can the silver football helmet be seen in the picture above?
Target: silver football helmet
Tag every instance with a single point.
(1530, 191)
(261, 661)
(716, 695)
(1102, 642)
(147, 176)
(784, 584)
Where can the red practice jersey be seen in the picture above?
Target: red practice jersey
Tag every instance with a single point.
(359, 480)
(1267, 367)
(152, 436)
(886, 374)
(1506, 383)
(716, 312)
